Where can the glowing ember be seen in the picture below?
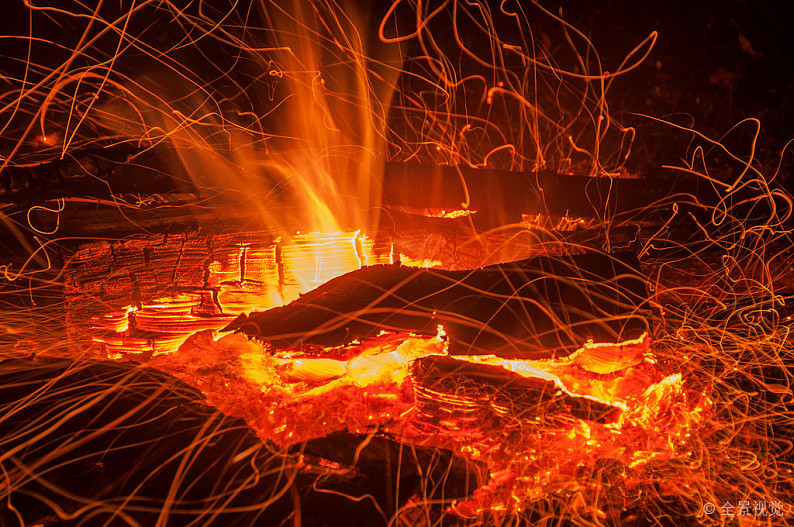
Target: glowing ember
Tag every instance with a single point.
(535, 423)
(434, 213)
(164, 290)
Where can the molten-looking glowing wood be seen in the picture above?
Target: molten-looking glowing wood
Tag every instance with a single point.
(149, 294)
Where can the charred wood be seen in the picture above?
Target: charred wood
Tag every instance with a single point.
(518, 309)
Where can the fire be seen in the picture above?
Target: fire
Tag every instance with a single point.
(273, 123)
(538, 426)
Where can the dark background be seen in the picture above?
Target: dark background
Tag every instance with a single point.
(715, 62)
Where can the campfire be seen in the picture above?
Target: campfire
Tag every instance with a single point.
(311, 264)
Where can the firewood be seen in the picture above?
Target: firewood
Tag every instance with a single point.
(524, 308)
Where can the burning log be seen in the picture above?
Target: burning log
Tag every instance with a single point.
(149, 294)
(143, 195)
(522, 308)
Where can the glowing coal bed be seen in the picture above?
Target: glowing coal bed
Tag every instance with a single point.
(534, 424)
(370, 383)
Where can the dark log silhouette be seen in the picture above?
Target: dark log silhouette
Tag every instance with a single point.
(534, 306)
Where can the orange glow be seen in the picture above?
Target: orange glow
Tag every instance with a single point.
(312, 259)
(556, 223)
(241, 278)
(434, 213)
(427, 263)
(266, 128)
(293, 396)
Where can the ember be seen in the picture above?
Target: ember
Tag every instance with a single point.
(314, 263)
(560, 414)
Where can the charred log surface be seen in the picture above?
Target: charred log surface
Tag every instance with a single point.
(519, 309)
(501, 197)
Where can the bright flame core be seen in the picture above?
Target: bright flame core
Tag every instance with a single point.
(318, 168)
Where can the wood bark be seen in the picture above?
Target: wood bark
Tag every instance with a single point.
(529, 308)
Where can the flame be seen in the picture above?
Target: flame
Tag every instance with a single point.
(318, 167)
(307, 159)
